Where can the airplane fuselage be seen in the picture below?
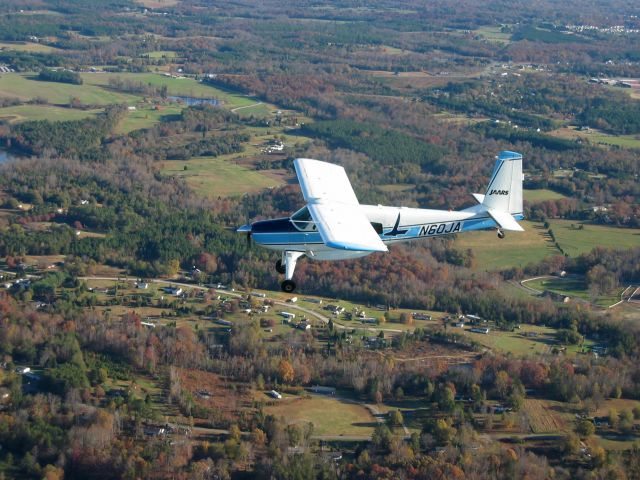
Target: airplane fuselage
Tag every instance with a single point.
(393, 225)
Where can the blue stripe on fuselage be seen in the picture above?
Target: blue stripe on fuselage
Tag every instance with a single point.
(277, 232)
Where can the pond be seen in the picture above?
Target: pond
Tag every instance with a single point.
(6, 156)
(191, 101)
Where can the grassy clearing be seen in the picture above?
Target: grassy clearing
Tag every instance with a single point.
(146, 116)
(330, 416)
(517, 249)
(515, 342)
(186, 87)
(161, 54)
(542, 194)
(28, 47)
(259, 110)
(575, 241)
(493, 34)
(574, 287)
(25, 87)
(518, 343)
(158, 3)
(213, 177)
(597, 137)
(22, 113)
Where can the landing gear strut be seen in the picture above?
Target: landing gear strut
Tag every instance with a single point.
(500, 233)
(288, 265)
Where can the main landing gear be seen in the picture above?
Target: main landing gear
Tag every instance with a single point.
(287, 266)
(500, 233)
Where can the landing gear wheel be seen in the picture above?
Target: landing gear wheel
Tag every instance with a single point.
(288, 286)
(500, 233)
(280, 268)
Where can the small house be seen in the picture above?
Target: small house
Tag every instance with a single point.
(177, 291)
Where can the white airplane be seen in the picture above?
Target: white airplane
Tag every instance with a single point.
(334, 226)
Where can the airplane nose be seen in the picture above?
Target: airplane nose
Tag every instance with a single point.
(244, 229)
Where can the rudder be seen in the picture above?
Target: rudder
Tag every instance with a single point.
(505, 188)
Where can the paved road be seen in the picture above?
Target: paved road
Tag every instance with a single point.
(287, 305)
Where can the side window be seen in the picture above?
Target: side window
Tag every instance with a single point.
(302, 220)
(377, 227)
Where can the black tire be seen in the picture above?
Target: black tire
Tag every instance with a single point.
(280, 268)
(500, 234)
(288, 286)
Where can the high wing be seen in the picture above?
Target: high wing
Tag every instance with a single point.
(324, 181)
(334, 207)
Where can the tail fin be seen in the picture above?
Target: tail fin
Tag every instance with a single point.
(504, 193)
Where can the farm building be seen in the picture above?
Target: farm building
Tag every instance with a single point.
(480, 330)
(323, 390)
(274, 394)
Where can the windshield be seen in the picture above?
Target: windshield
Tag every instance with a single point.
(302, 220)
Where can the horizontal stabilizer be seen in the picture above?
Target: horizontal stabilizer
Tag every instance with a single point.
(345, 227)
(479, 197)
(505, 220)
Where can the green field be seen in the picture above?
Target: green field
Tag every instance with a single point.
(28, 47)
(517, 343)
(598, 137)
(574, 287)
(146, 116)
(95, 90)
(213, 177)
(574, 241)
(258, 109)
(542, 194)
(329, 415)
(161, 54)
(187, 87)
(21, 113)
(517, 249)
(493, 34)
(25, 87)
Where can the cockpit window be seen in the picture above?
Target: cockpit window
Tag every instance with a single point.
(302, 220)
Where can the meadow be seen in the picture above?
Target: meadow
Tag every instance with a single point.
(26, 87)
(575, 241)
(598, 137)
(574, 287)
(517, 249)
(220, 176)
(329, 415)
(541, 195)
(28, 47)
(186, 87)
(21, 113)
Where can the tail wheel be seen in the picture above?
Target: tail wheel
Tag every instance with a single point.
(280, 268)
(288, 286)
